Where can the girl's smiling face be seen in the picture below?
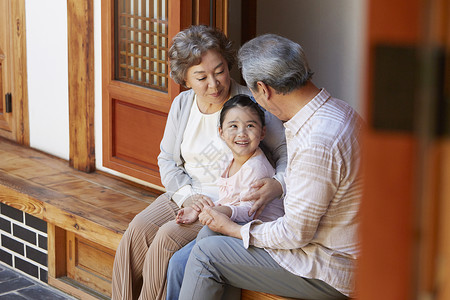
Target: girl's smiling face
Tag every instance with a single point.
(242, 130)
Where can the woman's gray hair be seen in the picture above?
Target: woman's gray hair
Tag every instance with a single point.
(275, 61)
(189, 45)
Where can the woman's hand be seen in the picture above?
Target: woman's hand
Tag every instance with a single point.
(198, 201)
(264, 191)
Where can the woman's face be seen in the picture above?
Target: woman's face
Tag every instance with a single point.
(210, 79)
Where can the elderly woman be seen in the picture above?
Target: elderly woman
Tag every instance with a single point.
(200, 59)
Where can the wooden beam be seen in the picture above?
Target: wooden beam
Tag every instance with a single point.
(56, 251)
(80, 27)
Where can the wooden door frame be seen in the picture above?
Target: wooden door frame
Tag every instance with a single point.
(81, 80)
(180, 17)
(211, 12)
(19, 88)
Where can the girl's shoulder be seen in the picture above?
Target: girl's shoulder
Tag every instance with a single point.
(259, 162)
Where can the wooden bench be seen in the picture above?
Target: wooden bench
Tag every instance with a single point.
(86, 216)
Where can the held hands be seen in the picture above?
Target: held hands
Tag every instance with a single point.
(187, 215)
(192, 207)
(198, 201)
(264, 191)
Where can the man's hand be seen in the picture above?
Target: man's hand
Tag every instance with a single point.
(219, 222)
(265, 190)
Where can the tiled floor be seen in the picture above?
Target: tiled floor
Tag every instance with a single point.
(16, 286)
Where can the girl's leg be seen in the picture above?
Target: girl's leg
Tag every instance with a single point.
(133, 247)
(175, 271)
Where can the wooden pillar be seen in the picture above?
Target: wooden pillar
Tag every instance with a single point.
(80, 19)
(386, 268)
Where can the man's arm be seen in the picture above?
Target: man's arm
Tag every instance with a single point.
(314, 176)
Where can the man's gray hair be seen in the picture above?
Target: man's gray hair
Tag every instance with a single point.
(276, 61)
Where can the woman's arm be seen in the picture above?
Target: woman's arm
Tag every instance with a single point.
(173, 175)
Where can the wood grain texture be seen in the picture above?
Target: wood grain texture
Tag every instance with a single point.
(80, 27)
(93, 206)
(20, 73)
(57, 266)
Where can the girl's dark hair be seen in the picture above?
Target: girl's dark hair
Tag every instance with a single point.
(241, 101)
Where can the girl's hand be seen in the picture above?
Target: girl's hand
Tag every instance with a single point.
(186, 215)
(264, 191)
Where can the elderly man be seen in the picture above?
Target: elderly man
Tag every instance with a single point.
(311, 251)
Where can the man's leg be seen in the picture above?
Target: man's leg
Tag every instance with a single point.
(177, 265)
(218, 261)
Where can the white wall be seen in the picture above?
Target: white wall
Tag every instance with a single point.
(46, 30)
(330, 31)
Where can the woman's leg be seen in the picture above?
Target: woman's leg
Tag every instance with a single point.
(170, 238)
(134, 245)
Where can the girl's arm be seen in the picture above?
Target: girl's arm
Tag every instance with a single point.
(225, 209)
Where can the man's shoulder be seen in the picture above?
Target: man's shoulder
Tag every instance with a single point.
(336, 121)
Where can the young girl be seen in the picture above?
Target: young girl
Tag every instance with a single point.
(242, 127)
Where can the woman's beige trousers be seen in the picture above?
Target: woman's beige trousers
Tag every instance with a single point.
(140, 264)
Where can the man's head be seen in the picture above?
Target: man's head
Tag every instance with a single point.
(275, 61)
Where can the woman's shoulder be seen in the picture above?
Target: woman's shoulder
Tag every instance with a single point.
(183, 96)
(182, 101)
